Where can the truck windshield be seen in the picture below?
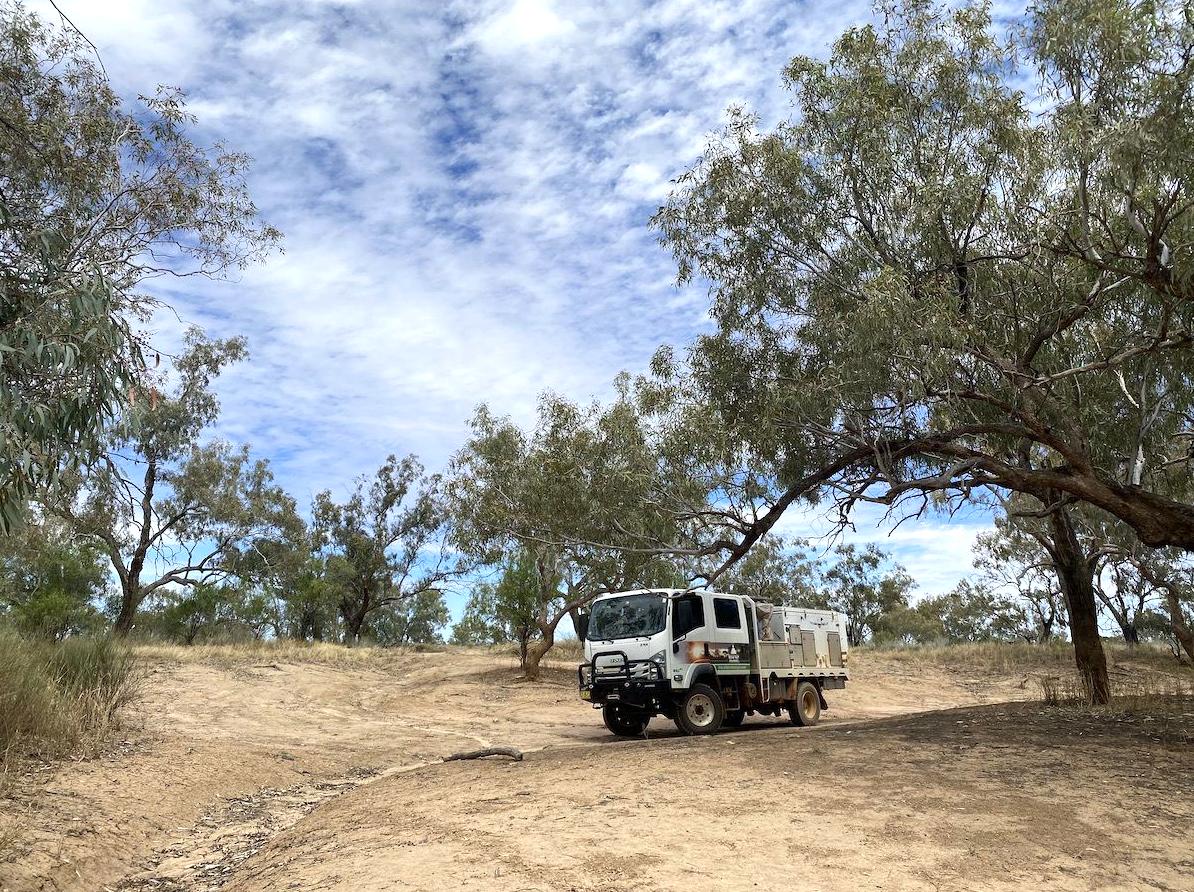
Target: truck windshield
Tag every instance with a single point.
(627, 617)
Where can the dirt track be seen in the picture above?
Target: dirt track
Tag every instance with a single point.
(298, 776)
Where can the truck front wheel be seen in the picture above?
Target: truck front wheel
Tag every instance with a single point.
(702, 711)
(806, 708)
(625, 721)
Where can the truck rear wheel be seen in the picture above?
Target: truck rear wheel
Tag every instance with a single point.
(624, 721)
(702, 711)
(805, 710)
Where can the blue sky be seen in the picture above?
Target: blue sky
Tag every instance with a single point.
(464, 190)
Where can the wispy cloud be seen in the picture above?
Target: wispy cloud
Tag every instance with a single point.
(464, 188)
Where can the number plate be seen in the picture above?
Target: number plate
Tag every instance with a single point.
(586, 695)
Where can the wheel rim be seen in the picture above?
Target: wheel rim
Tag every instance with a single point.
(699, 710)
(808, 704)
(626, 719)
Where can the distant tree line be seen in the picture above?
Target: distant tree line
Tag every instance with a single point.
(960, 275)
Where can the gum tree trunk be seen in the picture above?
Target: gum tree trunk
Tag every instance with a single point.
(1177, 622)
(128, 612)
(1076, 576)
(538, 649)
(1177, 619)
(354, 621)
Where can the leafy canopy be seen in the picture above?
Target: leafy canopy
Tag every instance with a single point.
(95, 198)
(929, 281)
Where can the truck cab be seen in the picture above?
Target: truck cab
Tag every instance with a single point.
(707, 659)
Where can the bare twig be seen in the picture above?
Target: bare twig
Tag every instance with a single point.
(510, 751)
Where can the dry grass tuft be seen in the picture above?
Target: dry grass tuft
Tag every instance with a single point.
(1012, 657)
(57, 700)
(229, 656)
(1132, 692)
(568, 650)
(10, 839)
(61, 698)
(1059, 689)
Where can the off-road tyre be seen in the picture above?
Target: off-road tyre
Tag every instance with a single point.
(702, 711)
(805, 710)
(624, 721)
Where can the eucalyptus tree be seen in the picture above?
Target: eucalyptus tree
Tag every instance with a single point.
(1012, 560)
(1165, 574)
(201, 611)
(1127, 577)
(50, 583)
(506, 612)
(864, 584)
(286, 573)
(166, 506)
(972, 611)
(930, 282)
(578, 496)
(96, 196)
(777, 571)
(310, 602)
(1173, 577)
(1118, 584)
(518, 598)
(420, 619)
(1128, 596)
(386, 543)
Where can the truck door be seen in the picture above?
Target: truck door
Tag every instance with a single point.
(834, 640)
(710, 628)
(687, 621)
(808, 645)
(727, 638)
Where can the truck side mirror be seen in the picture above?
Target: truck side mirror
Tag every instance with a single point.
(582, 626)
(676, 642)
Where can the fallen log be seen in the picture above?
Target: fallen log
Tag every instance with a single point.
(510, 751)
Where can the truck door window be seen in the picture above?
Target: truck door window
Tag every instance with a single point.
(688, 613)
(726, 613)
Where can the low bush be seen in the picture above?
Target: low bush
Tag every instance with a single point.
(1008, 657)
(57, 699)
(570, 650)
(1003, 657)
(1134, 691)
(230, 656)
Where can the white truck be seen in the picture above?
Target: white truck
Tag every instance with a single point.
(707, 659)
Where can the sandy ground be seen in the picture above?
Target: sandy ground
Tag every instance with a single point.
(283, 776)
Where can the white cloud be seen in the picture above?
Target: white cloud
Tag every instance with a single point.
(935, 550)
(465, 190)
(521, 26)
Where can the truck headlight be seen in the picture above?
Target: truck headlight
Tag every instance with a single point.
(660, 659)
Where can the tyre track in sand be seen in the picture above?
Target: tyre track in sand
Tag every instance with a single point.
(230, 757)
